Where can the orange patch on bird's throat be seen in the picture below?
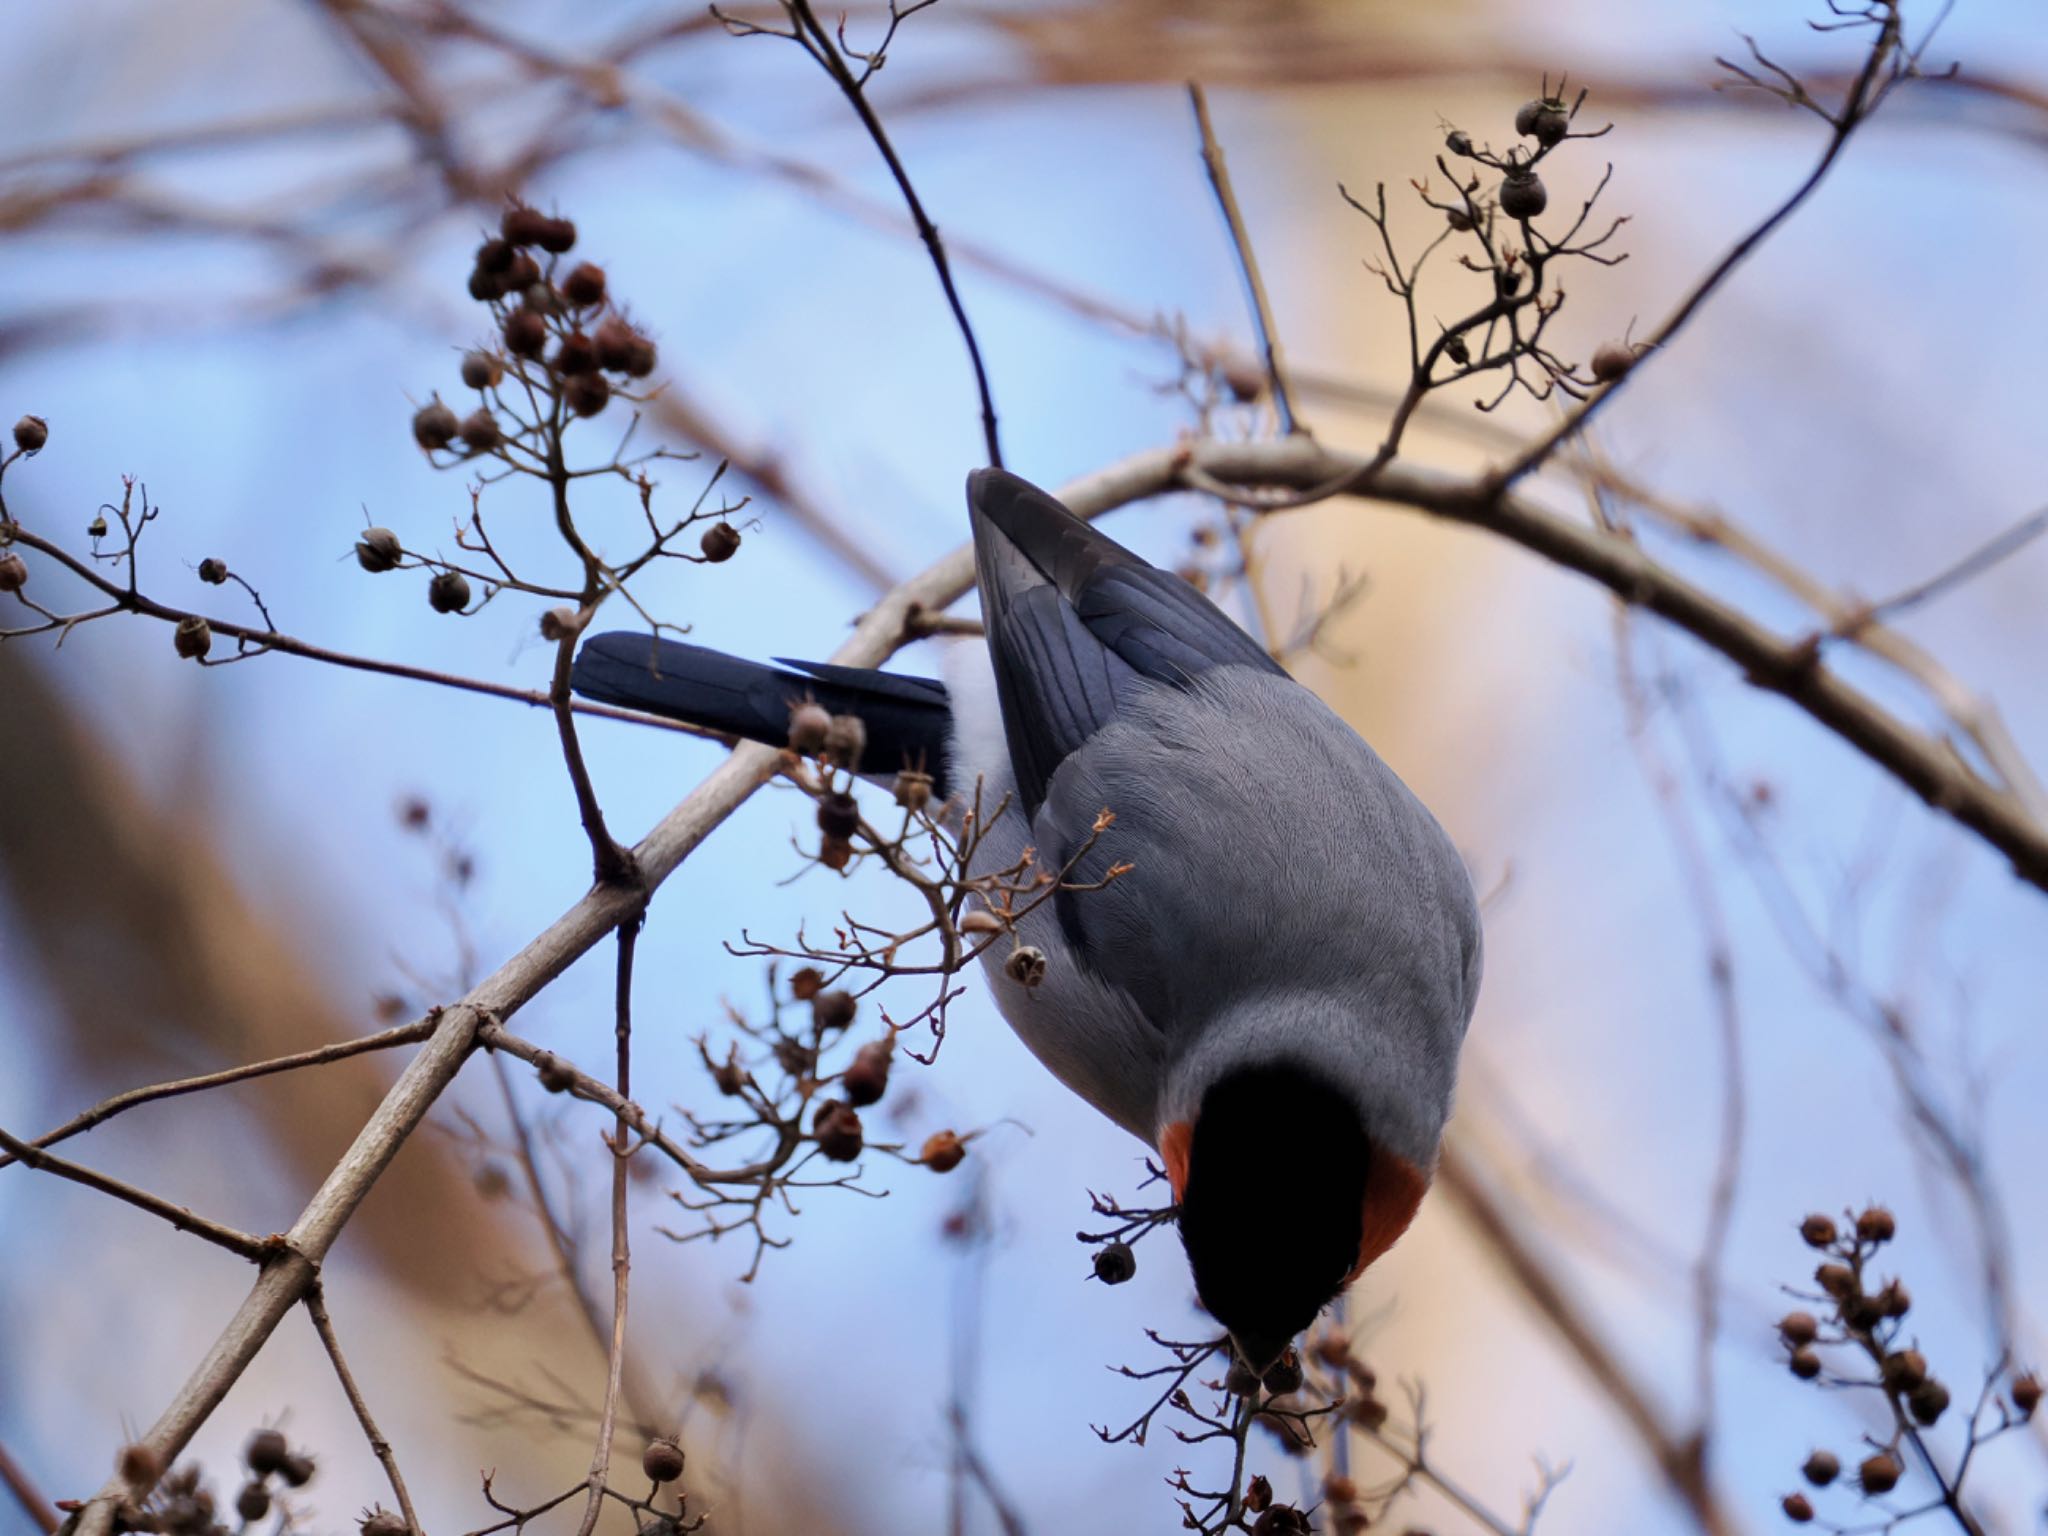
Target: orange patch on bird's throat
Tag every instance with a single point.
(1174, 1145)
(1393, 1194)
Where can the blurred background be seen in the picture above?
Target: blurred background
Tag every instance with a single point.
(236, 238)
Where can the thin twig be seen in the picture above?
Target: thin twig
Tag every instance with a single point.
(1247, 263)
(238, 1243)
(316, 1309)
(33, 1504)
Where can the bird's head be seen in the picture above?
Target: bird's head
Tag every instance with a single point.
(1284, 1198)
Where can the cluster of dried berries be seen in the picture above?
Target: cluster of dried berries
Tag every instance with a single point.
(1865, 1321)
(180, 1505)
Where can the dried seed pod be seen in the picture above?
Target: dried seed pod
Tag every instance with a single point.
(1458, 142)
(1903, 1370)
(526, 333)
(913, 789)
(1822, 1468)
(253, 1502)
(1798, 1508)
(1115, 1263)
(1805, 1364)
(576, 353)
(1838, 1280)
(30, 433)
(13, 572)
(193, 637)
(377, 551)
(213, 572)
(1879, 1473)
(1258, 1496)
(448, 592)
(1895, 1299)
(434, 426)
(1875, 1224)
(558, 624)
(97, 528)
(522, 225)
(266, 1452)
(1282, 1520)
(139, 1464)
(837, 1131)
(1522, 194)
(866, 1079)
(1798, 1328)
(806, 983)
(584, 286)
(1611, 360)
(494, 256)
(486, 286)
(943, 1151)
(1544, 119)
(480, 370)
(298, 1470)
(522, 275)
(1456, 349)
(640, 357)
(978, 922)
(557, 236)
(480, 431)
(613, 341)
(728, 1077)
(808, 726)
(720, 543)
(1928, 1401)
(838, 815)
(2026, 1394)
(1284, 1375)
(1817, 1230)
(587, 394)
(836, 854)
(1026, 965)
(833, 1010)
(845, 740)
(662, 1461)
(379, 1521)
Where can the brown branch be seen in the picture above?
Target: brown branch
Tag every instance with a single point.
(106, 1109)
(38, 1508)
(316, 1309)
(241, 1244)
(1247, 263)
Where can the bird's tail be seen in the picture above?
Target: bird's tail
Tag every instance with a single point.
(908, 719)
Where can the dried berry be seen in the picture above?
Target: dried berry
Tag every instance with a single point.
(584, 285)
(379, 1521)
(980, 922)
(1284, 1375)
(575, 354)
(867, 1078)
(662, 1461)
(556, 1075)
(1258, 1496)
(720, 543)
(139, 1464)
(806, 983)
(1459, 219)
(728, 1077)
(1798, 1328)
(587, 394)
(1805, 1364)
(1838, 1280)
(1544, 120)
(1895, 1299)
(943, 1151)
(1522, 194)
(613, 341)
(640, 357)
(1862, 1312)
(838, 815)
(486, 286)
(522, 225)
(833, 1010)
(494, 256)
(1026, 965)
(433, 426)
(480, 370)
(1817, 1230)
(523, 274)
(1822, 1468)
(1611, 360)
(835, 853)
(1115, 1263)
(1876, 1225)
(1903, 1370)
(1282, 1520)
(562, 623)
(1879, 1473)
(480, 431)
(913, 789)
(253, 1502)
(837, 1129)
(448, 592)
(1456, 350)
(1928, 1401)
(845, 740)
(213, 572)
(1458, 142)
(13, 572)
(808, 725)
(298, 1470)
(1506, 280)
(556, 236)
(526, 333)
(266, 1452)
(377, 551)
(193, 637)
(97, 528)
(2026, 1394)
(30, 433)
(1798, 1508)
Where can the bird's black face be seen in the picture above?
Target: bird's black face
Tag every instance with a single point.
(1273, 1206)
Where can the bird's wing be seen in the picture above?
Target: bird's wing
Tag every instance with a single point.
(1073, 619)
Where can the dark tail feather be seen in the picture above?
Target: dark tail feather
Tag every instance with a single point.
(908, 719)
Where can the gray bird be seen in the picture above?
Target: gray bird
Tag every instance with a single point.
(1274, 996)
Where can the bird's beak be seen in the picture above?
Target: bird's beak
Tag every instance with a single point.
(1257, 1351)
